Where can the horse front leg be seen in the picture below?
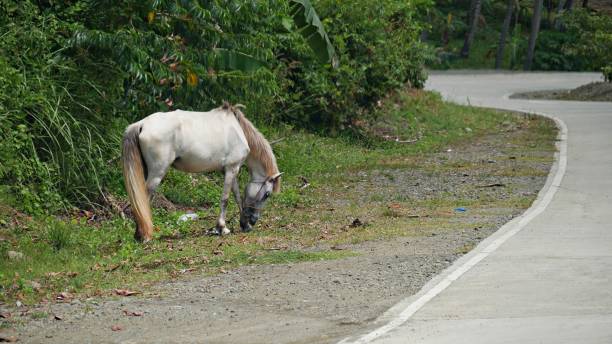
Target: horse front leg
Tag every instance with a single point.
(230, 176)
(236, 192)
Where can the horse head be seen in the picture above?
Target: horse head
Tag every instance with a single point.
(256, 194)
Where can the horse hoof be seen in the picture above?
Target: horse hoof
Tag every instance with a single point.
(223, 231)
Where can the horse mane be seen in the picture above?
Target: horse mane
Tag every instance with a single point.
(259, 146)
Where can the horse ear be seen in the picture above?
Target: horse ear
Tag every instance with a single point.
(275, 179)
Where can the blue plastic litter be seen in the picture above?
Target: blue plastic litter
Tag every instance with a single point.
(461, 209)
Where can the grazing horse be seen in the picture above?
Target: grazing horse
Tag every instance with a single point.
(218, 140)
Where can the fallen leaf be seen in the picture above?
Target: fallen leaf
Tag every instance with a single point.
(6, 338)
(57, 317)
(133, 313)
(337, 248)
(356, 223)
(63, 296)
(116, 327)
(125, 292)
(5, 315)
(112, 267)
(218, 252)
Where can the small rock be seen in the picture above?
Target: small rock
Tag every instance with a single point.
(35, 285)
(14, 255)
(7, 338)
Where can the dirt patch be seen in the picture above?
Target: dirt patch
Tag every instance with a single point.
(595, 91)
(438, 206)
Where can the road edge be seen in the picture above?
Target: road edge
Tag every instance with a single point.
(406, 308)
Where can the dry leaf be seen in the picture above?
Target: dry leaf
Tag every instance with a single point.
(5, 315)
(4, 337)
(356, 223)
(116, 327)
(57, 317)
(63, 296)
(133, 313)
(125, 292)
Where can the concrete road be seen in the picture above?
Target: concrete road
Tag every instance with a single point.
(545, 277)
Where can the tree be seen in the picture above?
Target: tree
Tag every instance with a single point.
(469, 38)
(535, 29)
(559, 12)
(504, 33)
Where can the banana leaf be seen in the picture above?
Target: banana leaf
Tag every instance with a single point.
(235, 60)
(310, 27)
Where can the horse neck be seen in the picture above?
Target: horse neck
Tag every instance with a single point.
(257, 171)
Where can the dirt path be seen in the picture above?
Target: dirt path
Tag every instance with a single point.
(320, 302)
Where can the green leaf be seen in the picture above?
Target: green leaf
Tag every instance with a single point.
(311, 28)
(235, 60)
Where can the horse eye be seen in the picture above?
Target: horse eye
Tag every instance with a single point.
(266, 195)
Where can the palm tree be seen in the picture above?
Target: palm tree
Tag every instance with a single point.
(504, 33)
(469, 38)
(535, 28)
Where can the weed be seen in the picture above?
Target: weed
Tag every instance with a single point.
(59, 235)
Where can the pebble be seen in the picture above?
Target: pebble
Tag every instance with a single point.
(14, 255)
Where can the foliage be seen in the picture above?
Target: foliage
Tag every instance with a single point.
(607, 73)
(584, 44)
(74, 74)
(79, 253)
(580, 39)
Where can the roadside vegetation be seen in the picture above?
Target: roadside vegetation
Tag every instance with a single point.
(74, 74)
(323, 205)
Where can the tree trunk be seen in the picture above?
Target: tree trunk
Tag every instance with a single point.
(585, 3)
(504, 33)
(569, 5)
(535, 28)
(549, 9)
(559, 11)
(469, 38)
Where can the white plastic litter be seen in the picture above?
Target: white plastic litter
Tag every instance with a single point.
(187, 217)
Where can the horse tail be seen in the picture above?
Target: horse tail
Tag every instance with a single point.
(134, 178)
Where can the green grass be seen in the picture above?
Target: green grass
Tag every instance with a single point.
(71, 254)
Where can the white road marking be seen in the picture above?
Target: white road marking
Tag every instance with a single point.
(479, 253)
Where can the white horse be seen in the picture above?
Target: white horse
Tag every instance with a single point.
(218, 140)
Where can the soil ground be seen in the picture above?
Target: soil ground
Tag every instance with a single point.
(595, 91)
(463, 193)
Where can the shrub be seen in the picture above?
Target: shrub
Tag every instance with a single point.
(584, 44)
(74, 74)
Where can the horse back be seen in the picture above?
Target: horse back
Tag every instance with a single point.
(194, 141)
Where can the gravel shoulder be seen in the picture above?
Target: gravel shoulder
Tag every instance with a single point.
(493, 179)
(595, 91)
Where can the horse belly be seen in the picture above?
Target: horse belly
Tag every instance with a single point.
(197, 163)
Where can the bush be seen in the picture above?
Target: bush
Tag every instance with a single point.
(584, 43)
(607, 73)
(74, 74)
